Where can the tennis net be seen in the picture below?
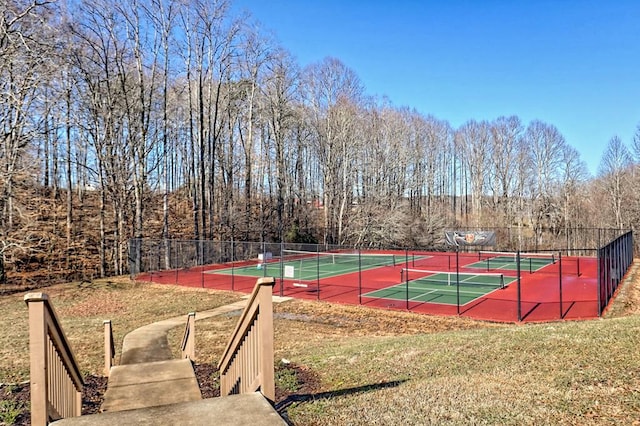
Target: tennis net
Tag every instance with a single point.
(487, 280)
(504, 256)
(341, 258)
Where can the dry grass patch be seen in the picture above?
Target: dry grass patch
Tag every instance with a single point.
(563, 373)
(627, 301)
(301, 325)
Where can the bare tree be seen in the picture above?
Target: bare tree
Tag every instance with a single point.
(280, 93)
(162, 15)
(101, 58)
(635, 145)
(138, 80)
(254, 54)
(333, 93)
(614, 173)
(438, 138)
(25, 53)
(575, 199)
(546, 146)
(474, 141)
(210, 53)
(507, 144)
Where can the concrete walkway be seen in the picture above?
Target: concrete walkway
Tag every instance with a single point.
(150, 344)
(148, 376)
(150, 387)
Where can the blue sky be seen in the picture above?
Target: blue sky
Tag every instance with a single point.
(573, 64)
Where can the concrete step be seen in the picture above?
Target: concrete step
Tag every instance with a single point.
(236, 410)
(150, 384)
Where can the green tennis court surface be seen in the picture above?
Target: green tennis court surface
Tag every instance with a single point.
(530, 262)
(443, 287)
(309, 266)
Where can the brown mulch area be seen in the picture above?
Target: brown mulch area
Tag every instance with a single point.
(17, 397)
(93, 394)
(208, 380)
(307, 384)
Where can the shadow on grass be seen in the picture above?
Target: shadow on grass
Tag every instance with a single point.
(282, 406)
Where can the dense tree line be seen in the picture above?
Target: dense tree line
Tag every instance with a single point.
(175, 119)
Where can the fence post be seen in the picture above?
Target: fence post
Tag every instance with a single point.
(518, 268)
(458, 280)
(560, 282)
(359, 277)
(318, 271)
(281, 269)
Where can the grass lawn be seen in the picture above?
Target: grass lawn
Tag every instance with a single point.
(381, 367)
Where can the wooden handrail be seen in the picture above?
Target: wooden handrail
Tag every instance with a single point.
(247, 362)
(56, 381)
(189, 338)
(109, 347)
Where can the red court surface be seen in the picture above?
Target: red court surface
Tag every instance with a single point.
(564, 290)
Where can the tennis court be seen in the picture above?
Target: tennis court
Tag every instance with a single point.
(562, 287)
(493, 260)
(312, 266)
(449, 288)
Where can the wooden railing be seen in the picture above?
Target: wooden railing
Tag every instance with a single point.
(109, 348)
(56, 382)
(189, 338)
(247, 362)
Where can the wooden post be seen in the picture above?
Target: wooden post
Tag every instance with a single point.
(38, 357)
(247, 361)
(189, 338)
(56, 381)
(109, 349)
(266, 338)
